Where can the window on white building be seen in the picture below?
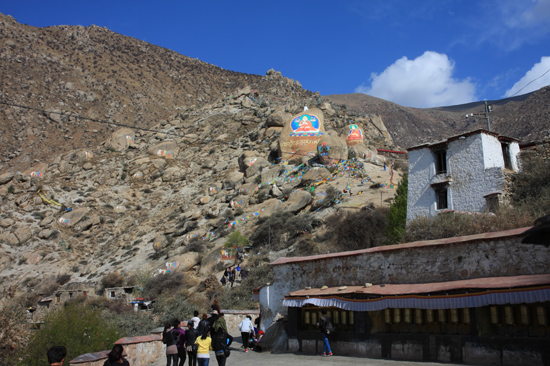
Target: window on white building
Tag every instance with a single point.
(506, 155)
(441, 197)
(440, 162)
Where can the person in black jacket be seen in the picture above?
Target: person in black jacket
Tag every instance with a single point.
(204, 324)
(190, 337)
(220, 343)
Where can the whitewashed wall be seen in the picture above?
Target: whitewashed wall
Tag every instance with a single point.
(474, 164)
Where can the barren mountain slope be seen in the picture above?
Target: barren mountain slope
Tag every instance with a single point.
(526, 117)
(94, 73)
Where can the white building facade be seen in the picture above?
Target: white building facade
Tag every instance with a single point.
(464, 173)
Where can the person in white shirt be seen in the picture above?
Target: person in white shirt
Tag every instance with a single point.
(246, 327)
(195, 320)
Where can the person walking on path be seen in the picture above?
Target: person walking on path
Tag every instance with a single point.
(169, 340)
(190, 338)
(246, 329)
(326, 327)
(179, 334)
(221, 343)
(204, 343)
(219, 325)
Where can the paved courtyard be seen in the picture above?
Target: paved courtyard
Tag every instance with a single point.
(240, 358)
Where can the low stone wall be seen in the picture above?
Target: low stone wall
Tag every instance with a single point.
(139, 351)
(234, 317)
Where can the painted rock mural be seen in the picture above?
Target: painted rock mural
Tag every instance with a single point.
(301, 134)
(355, 135)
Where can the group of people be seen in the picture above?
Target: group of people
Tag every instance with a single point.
(202, 335)
(231, 273)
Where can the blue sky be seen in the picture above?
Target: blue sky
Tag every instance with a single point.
(418, 53)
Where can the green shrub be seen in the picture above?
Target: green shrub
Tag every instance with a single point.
(236, 240)
(530, 188)
(78, 327)
(397, 217)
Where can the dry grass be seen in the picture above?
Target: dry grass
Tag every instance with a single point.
(458, 224)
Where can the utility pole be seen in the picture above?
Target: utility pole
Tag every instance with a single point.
(488, 108)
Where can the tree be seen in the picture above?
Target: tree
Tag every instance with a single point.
(397, 217)
(236, 240)
(78, 327)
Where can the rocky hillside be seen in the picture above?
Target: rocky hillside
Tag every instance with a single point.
(73, 76)
(172, 193)
(526, 117)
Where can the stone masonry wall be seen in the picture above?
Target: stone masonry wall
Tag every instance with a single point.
(475, 256)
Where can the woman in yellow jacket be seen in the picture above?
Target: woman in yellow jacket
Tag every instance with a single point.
(204, 343)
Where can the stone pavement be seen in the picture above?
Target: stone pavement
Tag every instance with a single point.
(240, 358)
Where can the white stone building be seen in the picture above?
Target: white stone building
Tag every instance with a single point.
(463, 173)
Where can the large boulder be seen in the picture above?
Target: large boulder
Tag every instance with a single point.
(233, 180)
(73, 217)
(37, 171)
(376, 120)
(9, 238)
(167, 150)
(6, 223)
(332, 149)
(301, 135)
(251, 162)
(6, 178)
(271, 206)
(370, 156)
(248, 189)
(84, 155)
(239, 202)
(271, 172)
(297, 201)
(186, 261)
(277, 118)
(23, 234)
(122, 138)
(315, 174)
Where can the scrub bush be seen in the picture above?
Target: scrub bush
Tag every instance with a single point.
(78, 327)
(362, 229)
(239, 297)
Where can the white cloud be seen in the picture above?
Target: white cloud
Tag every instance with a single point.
(534, 79)
(509, 24)
(423, 82)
